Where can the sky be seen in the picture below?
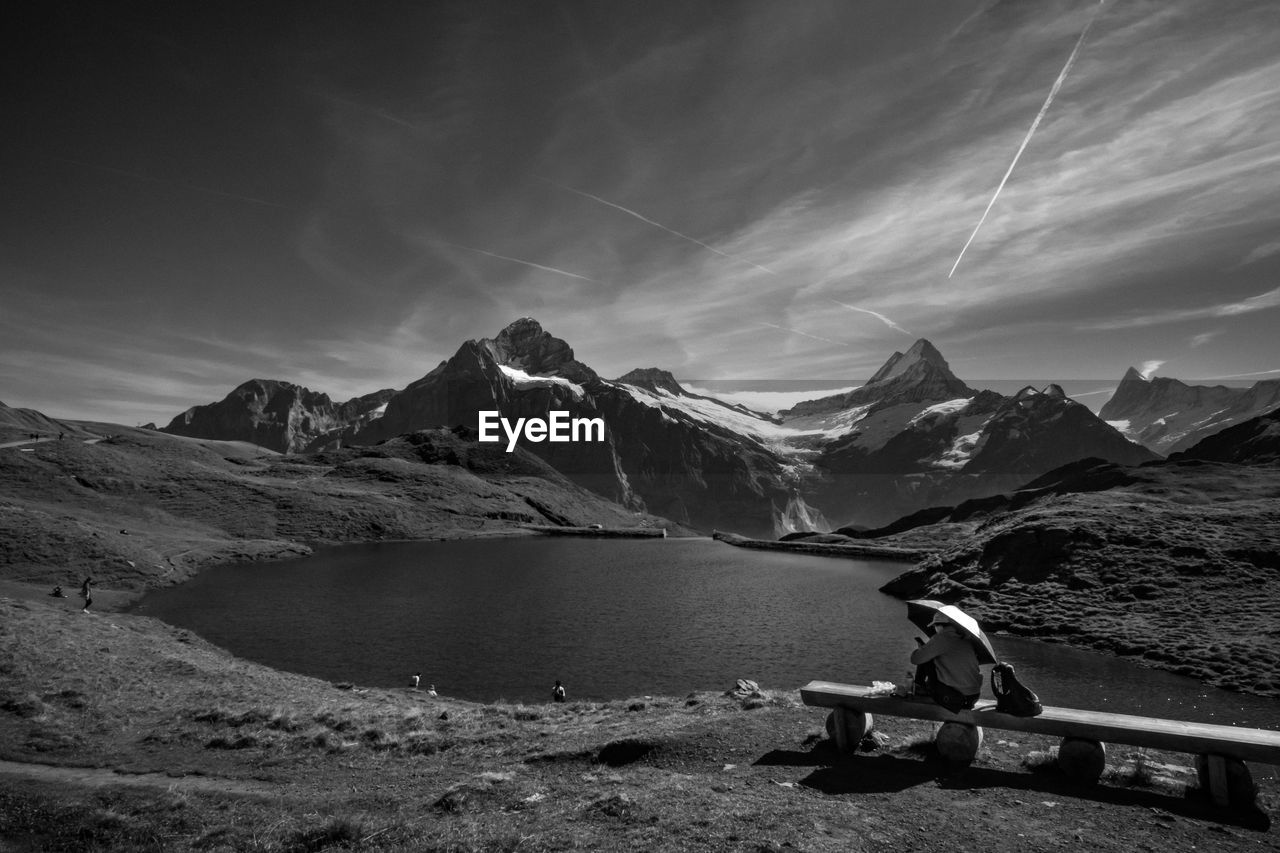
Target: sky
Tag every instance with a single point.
(339, 195)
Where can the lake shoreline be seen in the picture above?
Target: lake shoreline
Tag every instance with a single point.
(217, 750)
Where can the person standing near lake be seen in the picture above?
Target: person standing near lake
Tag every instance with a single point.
(417, 676)
(557, 692)
(947, 666)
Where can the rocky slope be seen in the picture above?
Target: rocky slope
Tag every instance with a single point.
(279, 416)
(658, 452)
(142, 508)
(915, 435)
(21, 424)
(168, 743)
(1176, 563)
(1167, 415)
(918, 436)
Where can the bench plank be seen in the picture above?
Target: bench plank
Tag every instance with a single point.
(1245, 744)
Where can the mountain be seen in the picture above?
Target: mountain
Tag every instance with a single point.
(1253, 442)
(143, 508)
(913, 436)
(1174, 562)
(1167, 415)
(20, 424)
(916, 435)
(278, 415)
(919, 375)
(680, 455)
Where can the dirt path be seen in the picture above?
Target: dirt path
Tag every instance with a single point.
(97, 777)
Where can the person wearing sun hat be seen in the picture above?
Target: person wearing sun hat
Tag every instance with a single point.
(947, 666)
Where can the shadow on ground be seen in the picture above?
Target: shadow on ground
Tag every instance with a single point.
(885, 774)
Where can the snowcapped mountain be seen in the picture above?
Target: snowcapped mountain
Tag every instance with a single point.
(1167, 415)
(279, 415)
(913, 436)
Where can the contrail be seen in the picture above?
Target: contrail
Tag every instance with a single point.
(806, 334)
(876, 314)
(649, 221)
(519, 261)
(1057, 84)
(149, 179)
(1246, 375)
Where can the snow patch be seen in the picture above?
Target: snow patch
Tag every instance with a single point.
(524, 380)
(950, 407)
(960, 451)
(1121, 427)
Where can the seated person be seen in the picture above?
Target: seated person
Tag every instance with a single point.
(947, 667)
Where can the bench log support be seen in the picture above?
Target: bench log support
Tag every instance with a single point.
(1221, 751)
(958, 741)
(1227, 780)
(1082, 759)
(848, 728)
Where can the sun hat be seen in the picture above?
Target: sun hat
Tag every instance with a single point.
(939, 619)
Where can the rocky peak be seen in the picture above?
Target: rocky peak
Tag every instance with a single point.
(1132, 375)
(920, 375)
(525, 346)
(899, 363)
(654, 379)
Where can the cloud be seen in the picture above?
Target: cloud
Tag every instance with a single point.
(1149, 367)
(1261, 302)
(1246, 375)
(806, 334)
(1266, 250)
(659, 225)
(529, 264)
(876, 314)
(1204, 338)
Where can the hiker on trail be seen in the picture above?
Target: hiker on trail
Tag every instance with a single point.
(87, 591)
(84, 587)
(947, 666)
(557, 692)
(417, 676)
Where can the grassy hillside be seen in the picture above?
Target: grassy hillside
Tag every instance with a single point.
(141, 508)
(1176, 565)
(119, 732)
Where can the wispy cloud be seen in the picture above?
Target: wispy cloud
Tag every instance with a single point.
(649, 221)
(1204, 338)
(882, 318)
(1266, 250)
(1150, 367)
(806, 334)
(1261, 302)
(1247, 375)
(530, 264)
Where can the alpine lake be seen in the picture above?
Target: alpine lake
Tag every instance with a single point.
(504, 618)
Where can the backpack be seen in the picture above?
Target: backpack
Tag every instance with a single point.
(1012, 696)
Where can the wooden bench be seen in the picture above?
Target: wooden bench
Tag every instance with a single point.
(1221, 750)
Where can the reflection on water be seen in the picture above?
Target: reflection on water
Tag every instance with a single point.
(504, 618)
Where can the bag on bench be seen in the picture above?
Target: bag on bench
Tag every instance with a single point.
(1012, 696)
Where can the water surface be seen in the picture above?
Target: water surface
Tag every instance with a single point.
(504, 618)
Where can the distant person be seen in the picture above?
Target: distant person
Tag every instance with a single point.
(57, 592)
(87, 591)
(84, 587)
(413, 682)
(557, 692)
(431, 690)
(947, 666)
